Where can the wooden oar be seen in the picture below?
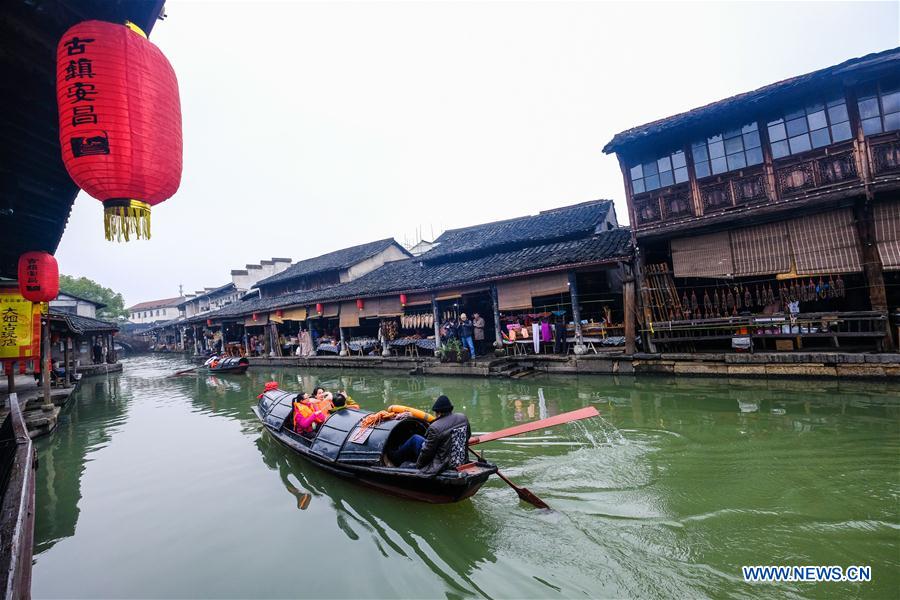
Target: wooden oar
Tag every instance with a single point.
(183, 372)
(523, 493)
(575, 415)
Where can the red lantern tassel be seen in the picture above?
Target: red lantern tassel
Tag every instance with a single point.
(126, 219)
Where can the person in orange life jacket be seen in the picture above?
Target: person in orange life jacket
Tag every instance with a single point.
(432, 452)
(307, 415)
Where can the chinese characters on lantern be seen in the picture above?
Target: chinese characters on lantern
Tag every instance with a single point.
(32, 283)
(81, 93)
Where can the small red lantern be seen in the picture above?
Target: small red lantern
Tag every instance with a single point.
(38, 276)
(119, 122)
(255, 317)
(279, 313)
(402, 299)
(360, 304)
(209, 322)
(320, 309)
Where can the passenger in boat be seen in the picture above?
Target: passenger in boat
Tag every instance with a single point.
(444, 443)
(340, 402)
(307, 415)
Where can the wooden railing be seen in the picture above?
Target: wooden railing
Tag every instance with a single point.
(833, 326)
(17, 466)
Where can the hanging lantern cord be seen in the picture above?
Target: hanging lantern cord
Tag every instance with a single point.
(126, 219)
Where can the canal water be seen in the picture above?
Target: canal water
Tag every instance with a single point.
(157, 487)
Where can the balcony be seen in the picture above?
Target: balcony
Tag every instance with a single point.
(816, 171)
(665, 205)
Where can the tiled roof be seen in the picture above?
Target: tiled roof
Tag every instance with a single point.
(81, 298)
(339, 259)
(558, 224)
(758, 100)
(411, 275)
(208, 294)
(80, 324)
(165, 303)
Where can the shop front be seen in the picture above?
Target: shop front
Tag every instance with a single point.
(786, 285)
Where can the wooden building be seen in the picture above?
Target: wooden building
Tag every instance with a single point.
(566, 265)
(771, 219)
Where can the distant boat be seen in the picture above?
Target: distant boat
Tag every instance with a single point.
(229, 364)
(331, 448)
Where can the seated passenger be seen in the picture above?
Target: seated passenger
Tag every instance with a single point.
(341, 401)
(307, 415)
(444, 444)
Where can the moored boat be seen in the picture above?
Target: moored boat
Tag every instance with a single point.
(229, 364)
(338, 448)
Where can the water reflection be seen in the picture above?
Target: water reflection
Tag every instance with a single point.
(375, 516)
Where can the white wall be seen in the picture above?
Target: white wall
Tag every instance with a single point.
(152, 315)
(389, 254)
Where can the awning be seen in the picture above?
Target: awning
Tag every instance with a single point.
(370, 308)
(513, 295)
(389, 306)
(448, 295)
(703, 256)
(551, 283)
(417, 299)
(887, 234)
(274, 318)
(761, 250)
(260, 322)
(294, 314)
(331, 310)
(349, 314)
(825, 243)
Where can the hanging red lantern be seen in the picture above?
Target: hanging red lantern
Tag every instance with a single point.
(402, 299)
(279, 313)
(320, 309)
(38, 276)
(209, 322)
(255, 317)
(119, 122)
(360, 304)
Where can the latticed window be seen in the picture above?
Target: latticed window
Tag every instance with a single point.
(814, 126)
(879, 108)
(663, 172)
(727, 151)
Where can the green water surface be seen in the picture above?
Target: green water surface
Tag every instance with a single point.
(160, 487)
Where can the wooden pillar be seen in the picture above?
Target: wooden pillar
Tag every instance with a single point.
(628, 303)
(46, 363)
(863, 213)
(10, 377)
(67, 359)
(437, 324)
(343, 351)
(576, 313)
(495, 305)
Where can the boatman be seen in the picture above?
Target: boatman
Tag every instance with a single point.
(444, 444)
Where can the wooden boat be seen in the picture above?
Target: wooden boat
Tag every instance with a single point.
(229, 364)
(332, 449)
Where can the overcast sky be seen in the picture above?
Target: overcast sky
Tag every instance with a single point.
(309, 127)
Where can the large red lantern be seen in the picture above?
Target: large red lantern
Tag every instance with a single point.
(38, 276)
(360, 304)
(402, 299)
(119, 122)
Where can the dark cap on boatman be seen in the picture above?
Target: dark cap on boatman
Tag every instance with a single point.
(442, 405)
